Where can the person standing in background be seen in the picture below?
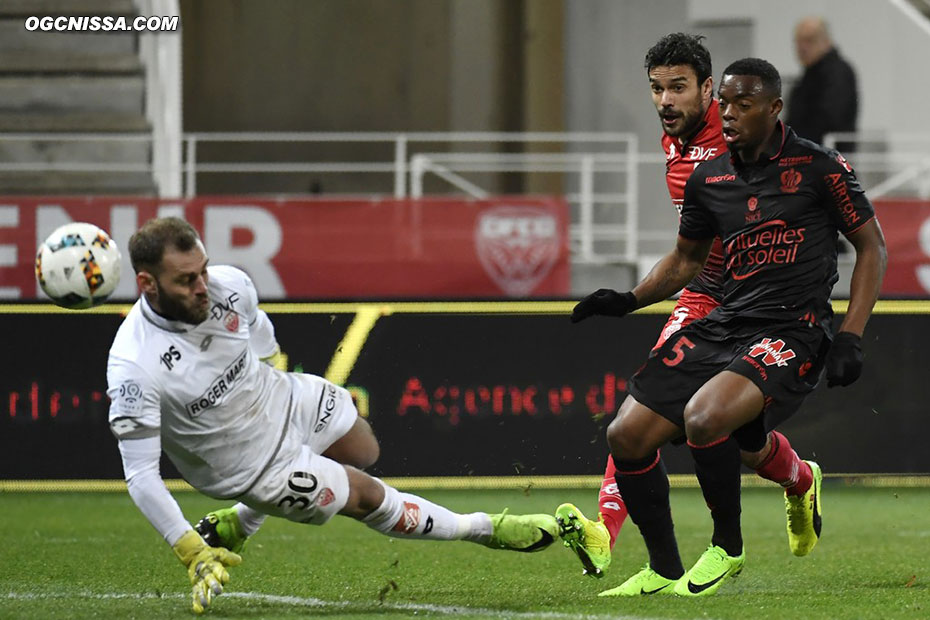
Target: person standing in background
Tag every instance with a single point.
(825, 100)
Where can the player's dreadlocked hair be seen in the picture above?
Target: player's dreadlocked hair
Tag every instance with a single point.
(679, 48)
(762, 69)
(147, 245)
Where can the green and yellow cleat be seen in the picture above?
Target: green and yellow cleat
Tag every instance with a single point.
(709, 573)
(221, 528)
(643, 583)
(522, 532)
(589, 539)
(804, 520)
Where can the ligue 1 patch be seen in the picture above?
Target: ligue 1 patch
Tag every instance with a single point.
(231, 322)
(326, 497)
(129, 398)
(517, 246)
(773, 353)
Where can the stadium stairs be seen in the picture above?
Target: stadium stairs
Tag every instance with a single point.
(70, 82)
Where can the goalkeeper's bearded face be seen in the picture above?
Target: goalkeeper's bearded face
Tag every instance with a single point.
(179, 290)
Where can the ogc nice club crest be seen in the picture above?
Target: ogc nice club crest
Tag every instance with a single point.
(517, 246)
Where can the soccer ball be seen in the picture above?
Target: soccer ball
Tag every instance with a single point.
(78, 266)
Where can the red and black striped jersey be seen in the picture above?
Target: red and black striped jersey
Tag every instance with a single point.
(681, 158)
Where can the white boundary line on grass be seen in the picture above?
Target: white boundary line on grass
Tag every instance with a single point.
(355, 606)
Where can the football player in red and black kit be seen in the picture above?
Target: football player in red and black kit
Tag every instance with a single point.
(777, 202)
(679, 70)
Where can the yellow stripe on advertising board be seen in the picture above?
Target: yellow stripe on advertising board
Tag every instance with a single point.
(475, 483)
(884, 306)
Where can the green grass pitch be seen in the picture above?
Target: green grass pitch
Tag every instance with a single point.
(93, 555)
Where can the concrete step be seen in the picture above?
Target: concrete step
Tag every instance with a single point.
(46, 63)
(74, 122)
(15, 37)
(71, 82)
(76, 183)
(72, 94)
(84, 152)
(26, 8)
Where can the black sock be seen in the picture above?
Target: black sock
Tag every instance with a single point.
(752, 436)
(643, 484)
(718, 470)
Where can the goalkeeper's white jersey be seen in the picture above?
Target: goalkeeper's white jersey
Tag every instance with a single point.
(220, 412)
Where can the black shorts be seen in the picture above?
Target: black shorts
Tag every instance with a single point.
(783, 359)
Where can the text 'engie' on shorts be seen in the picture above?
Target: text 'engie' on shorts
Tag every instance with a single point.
(300, 484)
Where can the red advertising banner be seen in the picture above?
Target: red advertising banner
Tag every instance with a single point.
(324, 249)
(906, 224)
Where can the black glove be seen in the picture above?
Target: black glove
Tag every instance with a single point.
(844, 360)
(605, 302)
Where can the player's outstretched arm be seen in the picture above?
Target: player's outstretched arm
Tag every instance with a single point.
(674, 271)
(844, 361)
(206, 566)
(669, 276)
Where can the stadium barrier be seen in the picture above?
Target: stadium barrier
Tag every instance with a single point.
(515, 246)
(467, 389)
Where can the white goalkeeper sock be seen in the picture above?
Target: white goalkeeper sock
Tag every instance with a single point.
(408, 516)
(249, 518)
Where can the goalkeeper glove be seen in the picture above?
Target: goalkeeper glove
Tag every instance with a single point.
(844, 360)
(206, 567)
(605, 302)
(277, 360)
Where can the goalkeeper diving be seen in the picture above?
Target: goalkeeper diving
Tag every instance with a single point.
(185, 375)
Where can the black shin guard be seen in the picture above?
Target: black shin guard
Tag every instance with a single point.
(643, 484)
(718, 471)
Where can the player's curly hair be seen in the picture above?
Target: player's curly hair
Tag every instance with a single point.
(147, 245)
(679, 48)
(763, 69)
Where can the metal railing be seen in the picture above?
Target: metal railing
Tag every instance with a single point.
(597, 173)
(42, 141)
(605, 222)
(451, 166)
(888, 163)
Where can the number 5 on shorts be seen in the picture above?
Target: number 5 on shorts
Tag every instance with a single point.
(678, 351)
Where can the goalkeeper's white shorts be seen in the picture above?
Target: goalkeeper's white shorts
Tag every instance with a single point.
(302, 485)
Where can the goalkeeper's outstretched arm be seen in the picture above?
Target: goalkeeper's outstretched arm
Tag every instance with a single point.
(206, 566)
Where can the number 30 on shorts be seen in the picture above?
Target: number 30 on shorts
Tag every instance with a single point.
(679, 352)
(300, 482)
